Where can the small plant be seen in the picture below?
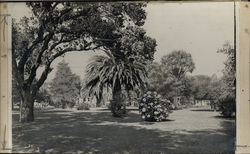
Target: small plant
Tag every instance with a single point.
(153, 108)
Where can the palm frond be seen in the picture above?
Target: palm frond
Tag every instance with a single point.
(102, 71)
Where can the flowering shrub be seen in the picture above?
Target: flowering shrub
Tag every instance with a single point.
(153, 108)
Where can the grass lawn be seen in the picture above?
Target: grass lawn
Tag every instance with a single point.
(191, 130)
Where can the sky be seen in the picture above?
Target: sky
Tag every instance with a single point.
(199, 28)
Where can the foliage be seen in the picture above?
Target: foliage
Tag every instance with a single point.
(155, 76)
(153, 108)
(102, 72)
(227, 100)
(177, 64)
(43, 96)
(56, 28)
(169, 77)
(201, 86)
(124, 66)
(65, 87)
(227, 106)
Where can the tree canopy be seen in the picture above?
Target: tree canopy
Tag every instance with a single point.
(169, 77)
(55, 28)
(178, 63)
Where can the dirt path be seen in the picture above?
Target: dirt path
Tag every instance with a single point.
(186, 131)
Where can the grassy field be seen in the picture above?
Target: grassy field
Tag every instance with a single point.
(193, 130)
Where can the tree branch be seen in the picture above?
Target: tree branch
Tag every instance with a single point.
(41, 80)
(69, 49)
(38, 40)
(29, 51)
(39, 58)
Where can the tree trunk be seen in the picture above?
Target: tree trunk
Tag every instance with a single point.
(27, 108)
(98, 102)
(118, 106)
(12, 105)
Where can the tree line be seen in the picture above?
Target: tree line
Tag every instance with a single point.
(172, 78)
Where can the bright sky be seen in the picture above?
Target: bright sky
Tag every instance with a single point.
(198, 28)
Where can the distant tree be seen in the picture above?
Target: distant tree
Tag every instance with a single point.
(215, 89)
(56, 28)
(178, 63)
(155, 76)
(186, 87)
(65, 87)
(174, 68)
(200, 86)
(43, 96)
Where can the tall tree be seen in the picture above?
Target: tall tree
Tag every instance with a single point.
(160, 81)
(65, 87)
(125, 65)
(175, 66)
(56, 28)
(178, 63)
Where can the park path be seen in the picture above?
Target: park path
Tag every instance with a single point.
(193, 130)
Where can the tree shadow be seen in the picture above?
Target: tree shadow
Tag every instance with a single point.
(223, 117)
(203, 110)
(84, 132)
(128, 109)
(133, 109)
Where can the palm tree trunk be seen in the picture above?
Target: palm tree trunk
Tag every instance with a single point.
(118, 107)
(129, 98)
(98, 101)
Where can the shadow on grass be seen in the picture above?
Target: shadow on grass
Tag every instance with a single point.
(203, 110)
(57, 132)
(223, 117)
(129, 109)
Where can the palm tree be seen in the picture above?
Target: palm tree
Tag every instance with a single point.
(122, 68)
(116, 74)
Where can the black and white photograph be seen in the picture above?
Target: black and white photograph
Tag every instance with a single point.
(123, 77)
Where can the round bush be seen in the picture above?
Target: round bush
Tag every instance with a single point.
(227, 106)
(153, 108)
